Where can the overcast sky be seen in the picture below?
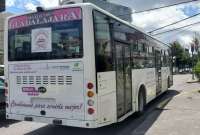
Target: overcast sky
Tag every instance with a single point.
(147, 21)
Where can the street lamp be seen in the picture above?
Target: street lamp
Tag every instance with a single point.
(192, 50)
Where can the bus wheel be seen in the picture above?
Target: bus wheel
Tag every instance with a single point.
(141, 102)
(168, 83)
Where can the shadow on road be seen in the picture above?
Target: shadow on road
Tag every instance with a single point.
(6, 123)
(155, 108)
(131, 125)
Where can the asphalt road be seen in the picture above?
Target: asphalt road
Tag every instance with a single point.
(127, 127)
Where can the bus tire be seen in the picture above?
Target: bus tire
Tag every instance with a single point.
(141, 101)
(168, 82)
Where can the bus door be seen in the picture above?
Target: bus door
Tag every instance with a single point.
(123, 79)
(158, 71)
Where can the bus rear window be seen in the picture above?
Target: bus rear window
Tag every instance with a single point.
(45, 36)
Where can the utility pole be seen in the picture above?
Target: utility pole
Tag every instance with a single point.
(197, 45)
(192, 50)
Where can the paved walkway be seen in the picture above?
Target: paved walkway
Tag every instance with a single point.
(181, 116)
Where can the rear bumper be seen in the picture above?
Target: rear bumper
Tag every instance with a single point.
(64, 122)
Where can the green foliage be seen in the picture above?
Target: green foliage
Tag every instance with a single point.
(197, 70)
(182, 57)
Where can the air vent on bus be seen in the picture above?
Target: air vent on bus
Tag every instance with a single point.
(69, 80)
(19, 80)
(53, 79)
(38, 79)
(31, 79)
(25, 80)
(61, 80)
(46, 80)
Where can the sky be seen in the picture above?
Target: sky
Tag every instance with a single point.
(158, 18)
(147, 21)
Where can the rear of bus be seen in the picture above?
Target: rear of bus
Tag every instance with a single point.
(50, 67)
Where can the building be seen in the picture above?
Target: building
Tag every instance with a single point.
(3, 17)
(120, 11)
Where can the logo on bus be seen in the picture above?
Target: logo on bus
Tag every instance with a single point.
(76, 67)
(42, 90)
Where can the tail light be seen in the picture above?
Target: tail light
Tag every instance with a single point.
(5, 84)
(6, 92)
(90, 94)
(5, 88)
(90, 111)
(90, 85)
(90, 102)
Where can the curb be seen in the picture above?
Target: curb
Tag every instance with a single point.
(193, 82)
(163, 104)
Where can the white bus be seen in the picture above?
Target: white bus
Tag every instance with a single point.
(78, 65)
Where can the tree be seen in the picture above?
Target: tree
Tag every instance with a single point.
(185, 60)
(177, 51)
(196, 44)
(181, 56)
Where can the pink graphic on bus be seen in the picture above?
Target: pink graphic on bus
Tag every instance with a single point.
(58, 15)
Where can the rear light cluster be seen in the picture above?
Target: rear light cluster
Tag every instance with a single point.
(90, 85)
(6, 88)
(90, 94)
(90, 111)
(6, 92)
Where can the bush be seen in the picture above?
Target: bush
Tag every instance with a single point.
(197, 70)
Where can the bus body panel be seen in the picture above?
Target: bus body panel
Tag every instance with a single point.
(106, 97)
(144, 77)
(165, 76)
(89, 61)
(55, 89)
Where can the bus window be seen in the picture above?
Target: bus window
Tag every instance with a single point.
(104, 60)
(65, 41)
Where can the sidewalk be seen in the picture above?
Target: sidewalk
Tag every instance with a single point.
(193, 80)
(181, 116)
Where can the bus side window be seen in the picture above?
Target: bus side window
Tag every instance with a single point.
(18, 53)
(151, 58)
(26, 46)
(139, 52)
(137, 60)
(102, 43)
